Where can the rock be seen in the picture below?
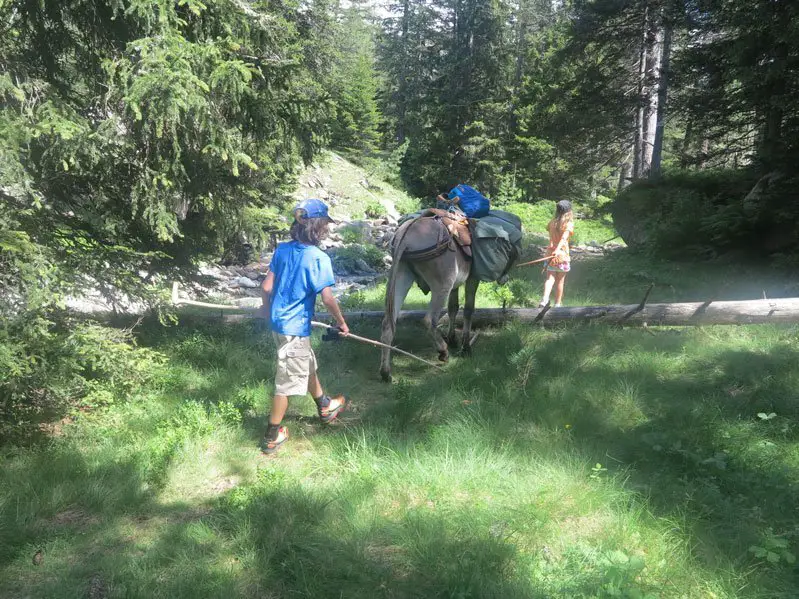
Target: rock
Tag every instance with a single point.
(243, 282)
(362, 266)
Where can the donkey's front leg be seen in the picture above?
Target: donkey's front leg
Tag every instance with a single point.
(468, 312)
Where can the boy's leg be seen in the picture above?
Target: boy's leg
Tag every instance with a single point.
(315, 386)
(291, 378)
(275, 434)
(280, 404)
(328, 407)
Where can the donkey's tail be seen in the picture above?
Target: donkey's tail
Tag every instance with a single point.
(398, 250)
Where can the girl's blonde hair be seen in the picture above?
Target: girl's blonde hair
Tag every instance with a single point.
(563, 216)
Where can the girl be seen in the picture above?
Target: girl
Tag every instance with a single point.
(560, 229)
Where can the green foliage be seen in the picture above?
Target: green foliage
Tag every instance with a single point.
(589, 226)
(534, 217)
(137, 138)
(352, 235)
(49, 370)
(773, 549)
(407, 205)
(355, 256)
(708, 213)
(353, 83)
(353, 301)
(375, 209)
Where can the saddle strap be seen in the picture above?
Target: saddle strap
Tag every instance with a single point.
(435, 250)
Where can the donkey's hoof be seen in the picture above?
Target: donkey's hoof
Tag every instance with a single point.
(385, 375)
(443, 356)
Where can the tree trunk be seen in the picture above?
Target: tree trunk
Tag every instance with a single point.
(686, 145)
(402, 92)
(638, 140)
(649, 100)
(663, 82)
(785, 310)
(625, 171)
(521, 29)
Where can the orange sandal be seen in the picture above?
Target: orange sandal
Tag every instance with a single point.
(329, 413)
(270, 447)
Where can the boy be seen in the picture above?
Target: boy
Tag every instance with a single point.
(298, 272)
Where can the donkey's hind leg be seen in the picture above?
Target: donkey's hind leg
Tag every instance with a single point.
(468, 312)
(452, 313)
(439, 297)
(404, 280)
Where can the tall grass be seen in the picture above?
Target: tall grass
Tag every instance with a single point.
(577, 462)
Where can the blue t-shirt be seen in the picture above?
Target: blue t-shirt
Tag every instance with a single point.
(301, 271)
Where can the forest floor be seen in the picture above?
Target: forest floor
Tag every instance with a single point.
(579, 461)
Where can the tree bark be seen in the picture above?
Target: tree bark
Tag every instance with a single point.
(653, 51)
(402, 91)
(625, 171)
(638, 140)
(785, 310)
(663, 88)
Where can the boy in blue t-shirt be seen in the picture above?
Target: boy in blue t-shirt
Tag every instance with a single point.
(298, 272)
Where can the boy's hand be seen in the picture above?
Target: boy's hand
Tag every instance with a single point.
(342, 326)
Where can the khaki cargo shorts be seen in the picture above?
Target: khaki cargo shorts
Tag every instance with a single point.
(295, 362)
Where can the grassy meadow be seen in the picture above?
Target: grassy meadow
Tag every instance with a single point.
(577, 462)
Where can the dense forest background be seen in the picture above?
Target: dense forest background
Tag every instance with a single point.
(139, 137)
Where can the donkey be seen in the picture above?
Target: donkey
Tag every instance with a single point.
(424, 247)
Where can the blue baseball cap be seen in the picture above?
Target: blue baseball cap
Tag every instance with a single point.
(312, 208)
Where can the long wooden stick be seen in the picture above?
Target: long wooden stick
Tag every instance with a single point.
(376, 343)
(535, 261)
(177, 301)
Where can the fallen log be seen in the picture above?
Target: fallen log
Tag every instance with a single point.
(678, 314)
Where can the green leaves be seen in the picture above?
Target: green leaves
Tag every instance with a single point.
(773, 549)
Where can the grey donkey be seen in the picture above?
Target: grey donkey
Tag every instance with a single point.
(424, 247)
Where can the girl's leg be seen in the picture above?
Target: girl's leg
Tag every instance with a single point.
(548, 288)
(560, 281)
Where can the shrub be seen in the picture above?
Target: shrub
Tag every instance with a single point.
(353, 258)
(375, 209)
(708, 213)
(407, 204)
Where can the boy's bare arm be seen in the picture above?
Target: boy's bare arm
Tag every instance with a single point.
(332, 306)
(266, 294)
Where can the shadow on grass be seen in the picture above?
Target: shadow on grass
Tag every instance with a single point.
(273, 538)
(680, 423)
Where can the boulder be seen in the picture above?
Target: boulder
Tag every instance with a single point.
(245, 282)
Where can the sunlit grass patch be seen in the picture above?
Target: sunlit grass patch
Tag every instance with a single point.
(578, 461)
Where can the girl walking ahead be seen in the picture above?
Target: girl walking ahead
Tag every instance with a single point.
(560, 229)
